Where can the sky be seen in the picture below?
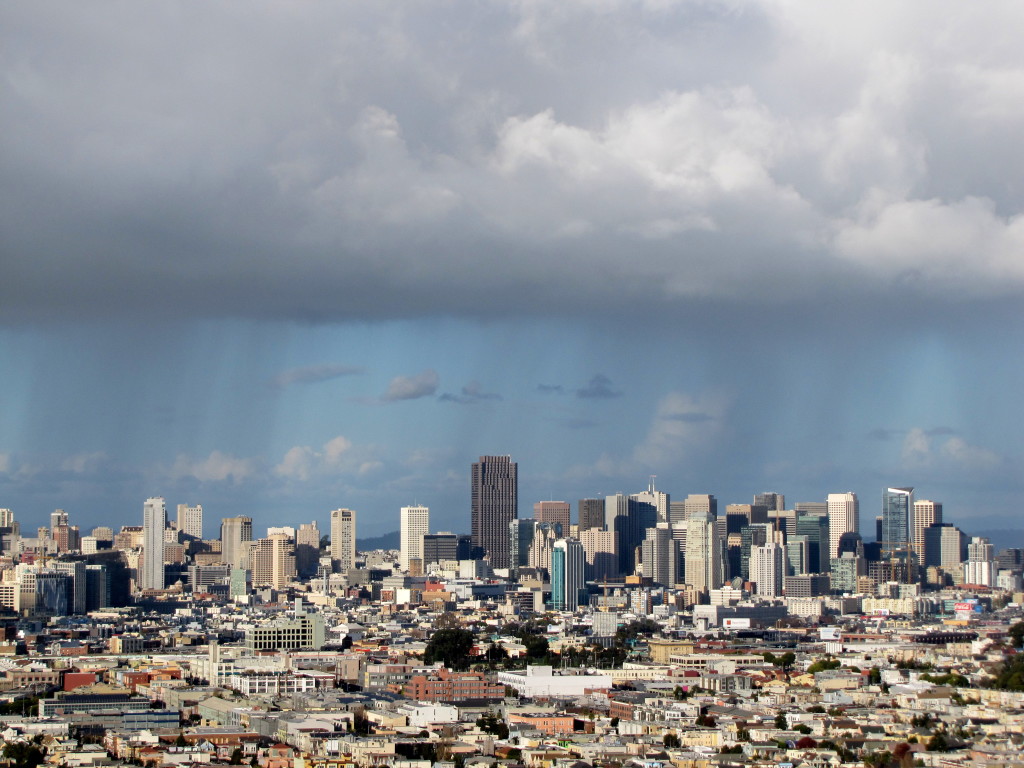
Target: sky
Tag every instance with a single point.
(280, 258)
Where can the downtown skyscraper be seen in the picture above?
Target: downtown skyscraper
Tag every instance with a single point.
(897, 506)
(843, 517)
(494, 503)
(154, 520)
(415, 524)
(343, 539)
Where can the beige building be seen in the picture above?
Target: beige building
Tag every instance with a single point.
(273, 561)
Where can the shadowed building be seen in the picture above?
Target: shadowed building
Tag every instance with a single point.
(494, 499)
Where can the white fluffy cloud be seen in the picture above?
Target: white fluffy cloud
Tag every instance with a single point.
(412, 387)
(922, 450)
(336, 456)
(217, 467)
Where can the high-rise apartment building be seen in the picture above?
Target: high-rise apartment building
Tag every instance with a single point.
(494, 503)
(154, 520)
(591, 513)
(843, 517)
(343, 539)
(273, 561)
(414, 524)
(557, 512)
(926, 514)
(980, 566)
(660, 556)
(601, 553)
(897, 506)
(705, 551)
(190, 520)
(768, 567)
(235, 535)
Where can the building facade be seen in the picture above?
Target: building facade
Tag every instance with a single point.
(494, 503)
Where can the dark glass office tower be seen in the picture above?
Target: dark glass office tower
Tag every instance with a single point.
(494, 503)
(897, 504)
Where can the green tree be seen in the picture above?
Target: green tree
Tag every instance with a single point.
(821, 665)
(1016, 633)
(670, 740)
(937, 743)
(451, 647)
(236, 756)
(23, 754)
(491, 723)
(180, 741)
(780, 721)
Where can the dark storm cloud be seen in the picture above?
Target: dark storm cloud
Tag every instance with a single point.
(369, 161)
(313, 374)
(598, 388)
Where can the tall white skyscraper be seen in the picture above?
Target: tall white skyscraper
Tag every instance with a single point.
(768, 567)
(705, 554)
(190, 520)
(154, 520)
(843, 517)
(415, 524)
(343, 539)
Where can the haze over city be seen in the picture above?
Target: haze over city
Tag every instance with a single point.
(327, 256)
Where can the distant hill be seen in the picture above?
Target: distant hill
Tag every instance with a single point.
(392, 540)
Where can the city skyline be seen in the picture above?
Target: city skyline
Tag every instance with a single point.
(771, 246)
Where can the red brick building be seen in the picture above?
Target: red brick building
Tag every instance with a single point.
(445, 685)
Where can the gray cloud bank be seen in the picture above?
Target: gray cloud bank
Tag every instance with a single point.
(329, 162)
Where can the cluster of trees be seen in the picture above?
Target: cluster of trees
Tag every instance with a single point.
(491, 723)
(1016, 633)
(784, 662)
(1011, 676)
(950, 678)
(22, 754)
(451, 647)
(822, 665)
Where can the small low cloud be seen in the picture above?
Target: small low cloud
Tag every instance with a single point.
(216, 468)
(84, 463)
(598, 388)
(470, 394)
(313, 374)
(412, 387)
(551, 389)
